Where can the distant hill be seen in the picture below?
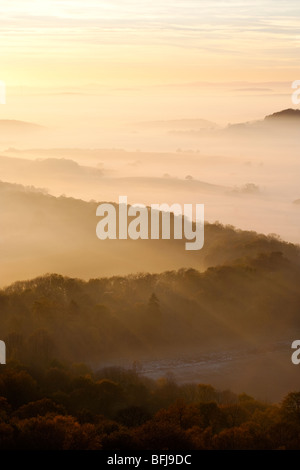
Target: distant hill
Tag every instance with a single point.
(286, 122)
(41, 233)
(285, 115)
(202, 127)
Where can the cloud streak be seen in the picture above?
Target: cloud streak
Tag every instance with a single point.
(212, 34)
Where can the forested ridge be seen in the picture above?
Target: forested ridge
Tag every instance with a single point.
(66, 318)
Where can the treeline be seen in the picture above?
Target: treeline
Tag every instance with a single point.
(70, 407)
(132, 316)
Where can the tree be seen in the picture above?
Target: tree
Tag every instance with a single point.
(133, 416)
(40, 346)
(290, 405)
(154, 306)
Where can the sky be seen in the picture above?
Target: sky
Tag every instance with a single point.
(129, 43)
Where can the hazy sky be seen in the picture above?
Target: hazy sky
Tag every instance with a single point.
(125, 43)
(92, 71)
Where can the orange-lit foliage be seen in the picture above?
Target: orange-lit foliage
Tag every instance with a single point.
(86, 410)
